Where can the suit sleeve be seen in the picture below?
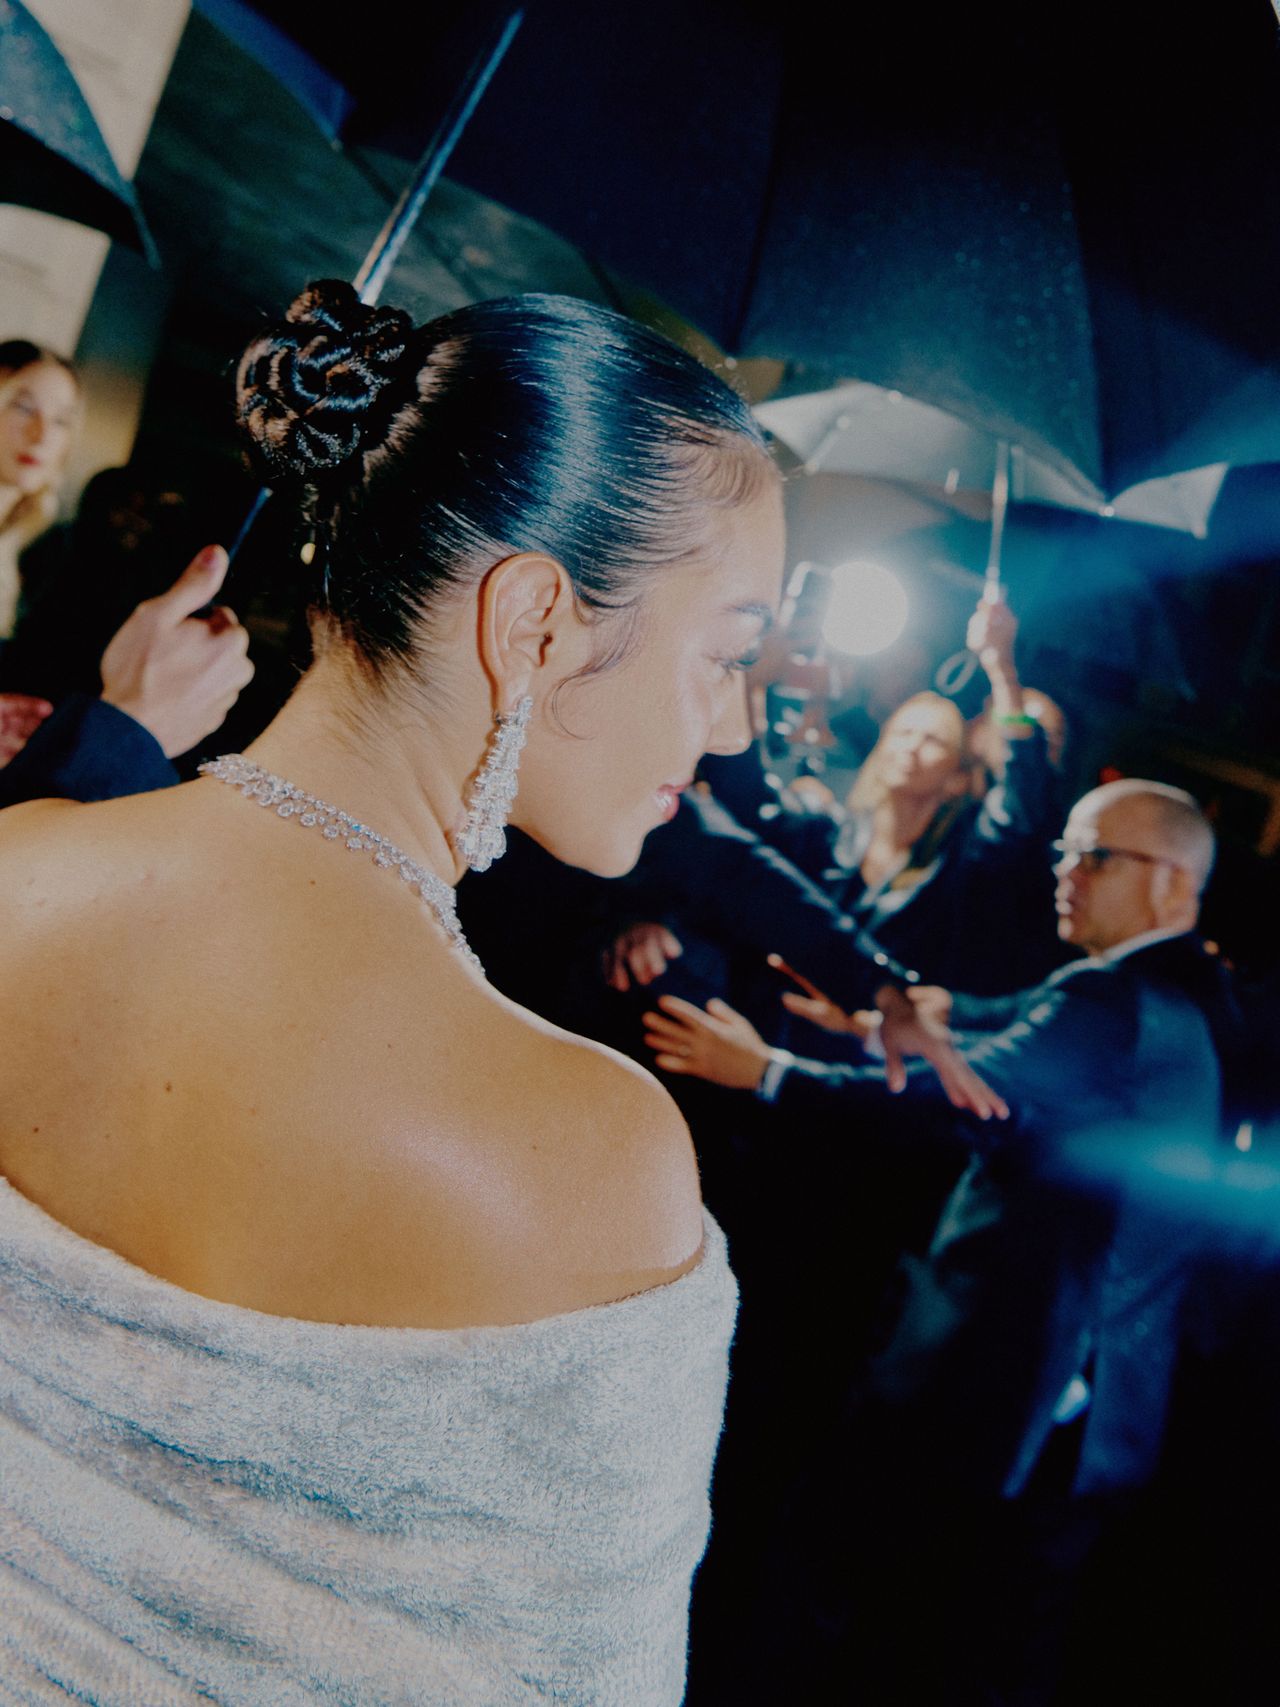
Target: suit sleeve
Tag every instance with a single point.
(1060, 1052)
(983, 1013)
(86, 750)
(755, 897)
(1019, 808)
(704, 865)
(1062, 1047)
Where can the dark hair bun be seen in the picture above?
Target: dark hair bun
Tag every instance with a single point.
(322, 385)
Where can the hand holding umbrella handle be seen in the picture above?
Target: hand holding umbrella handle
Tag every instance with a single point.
(956, 672)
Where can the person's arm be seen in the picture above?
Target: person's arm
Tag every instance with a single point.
(992, 634)
(86, 750)
(169, 677)
(750, 895)
(1062, 1048)
(1018, 805)
(982, 1013)
(722, 1046)
(705, 866)
(1060, 1054)
(1018, 809)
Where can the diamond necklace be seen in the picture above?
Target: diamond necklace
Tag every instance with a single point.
(290, 802)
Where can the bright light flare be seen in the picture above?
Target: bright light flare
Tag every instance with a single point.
(867, 611)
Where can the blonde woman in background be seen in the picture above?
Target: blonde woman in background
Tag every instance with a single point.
(39, 415)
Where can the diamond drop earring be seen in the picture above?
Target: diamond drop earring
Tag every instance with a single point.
(483, 836)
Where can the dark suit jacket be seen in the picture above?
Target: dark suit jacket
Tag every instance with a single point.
(540, 927)
(86, 750)
(704, 874)
(1059, 1253)
(979, 916)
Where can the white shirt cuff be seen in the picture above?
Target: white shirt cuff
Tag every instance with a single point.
(780, 1062)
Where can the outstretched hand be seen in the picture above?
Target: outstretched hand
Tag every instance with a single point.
(176, 672)
(20, 716)
(932, 1004)
(718, 1044)
(813, 1005)
(639, 955)
(909, 1028)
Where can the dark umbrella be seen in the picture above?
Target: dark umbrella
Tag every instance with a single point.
(1062, 232)
(52, 154)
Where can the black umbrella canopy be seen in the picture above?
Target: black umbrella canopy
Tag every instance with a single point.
(1062, 229)
(53, 156)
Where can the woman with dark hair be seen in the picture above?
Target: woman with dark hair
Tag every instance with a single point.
(362, 1335)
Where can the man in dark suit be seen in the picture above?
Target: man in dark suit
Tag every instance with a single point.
(1117, 1046)
(1030, 1365)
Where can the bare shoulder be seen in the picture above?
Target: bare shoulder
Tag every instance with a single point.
(21, 827)
(630, 1104)
(620, 1136)
(61, 856)
(40, 827)
(33, 841)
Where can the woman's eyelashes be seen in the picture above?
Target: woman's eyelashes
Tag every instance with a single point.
(747, 661)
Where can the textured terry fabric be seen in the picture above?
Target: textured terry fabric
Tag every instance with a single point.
(200, 1502)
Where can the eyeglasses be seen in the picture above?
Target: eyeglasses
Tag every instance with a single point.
(1093, 860)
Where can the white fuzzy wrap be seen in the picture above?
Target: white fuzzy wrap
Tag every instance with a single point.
(200, 1502)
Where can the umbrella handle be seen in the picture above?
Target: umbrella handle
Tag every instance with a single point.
(955, 673)
(999, 510)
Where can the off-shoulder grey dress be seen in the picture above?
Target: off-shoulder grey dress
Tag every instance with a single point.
(202, 1503)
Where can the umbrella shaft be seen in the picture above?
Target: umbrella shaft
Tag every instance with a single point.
(382, 257)
(999, 510)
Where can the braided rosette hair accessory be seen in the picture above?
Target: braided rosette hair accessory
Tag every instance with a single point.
(483, 838)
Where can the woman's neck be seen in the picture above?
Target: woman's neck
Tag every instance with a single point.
(380, 765)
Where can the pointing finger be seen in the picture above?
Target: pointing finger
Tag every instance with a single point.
(197, 585)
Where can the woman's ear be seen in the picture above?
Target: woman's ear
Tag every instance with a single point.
(527, 618)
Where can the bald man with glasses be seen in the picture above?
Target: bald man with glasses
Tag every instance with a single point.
(1033, 1351)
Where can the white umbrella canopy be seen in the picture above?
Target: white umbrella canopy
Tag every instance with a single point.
(864, 429)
